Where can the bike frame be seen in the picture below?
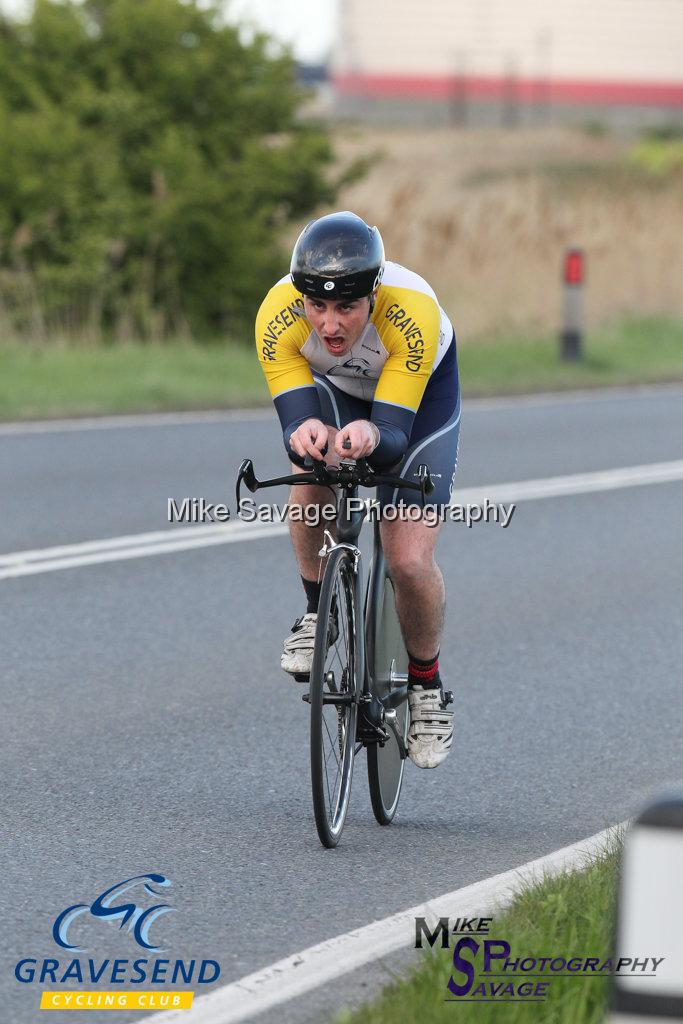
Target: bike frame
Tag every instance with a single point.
(373, 718)
(374, 714)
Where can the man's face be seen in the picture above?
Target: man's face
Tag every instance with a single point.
(339, 324)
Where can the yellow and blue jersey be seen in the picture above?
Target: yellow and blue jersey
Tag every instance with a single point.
(389, 366)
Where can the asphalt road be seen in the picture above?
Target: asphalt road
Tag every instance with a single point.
(146, 725)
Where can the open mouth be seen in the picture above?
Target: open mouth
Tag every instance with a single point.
(335, 344)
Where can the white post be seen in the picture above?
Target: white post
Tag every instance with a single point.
(573, 274)
(650, 917)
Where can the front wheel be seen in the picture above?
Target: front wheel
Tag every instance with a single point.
(334, 692)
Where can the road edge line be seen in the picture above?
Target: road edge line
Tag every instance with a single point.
(307, 970)
(183, 417)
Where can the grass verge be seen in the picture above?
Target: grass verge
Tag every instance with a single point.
(570, 915)
(55, 381)
(40, 383)
(631, 352)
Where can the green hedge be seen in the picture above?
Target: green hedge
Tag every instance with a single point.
(150, 156)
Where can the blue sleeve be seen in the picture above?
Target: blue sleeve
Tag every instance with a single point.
(394, 423)
(294, 408)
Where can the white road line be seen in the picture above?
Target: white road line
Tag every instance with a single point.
(165, 419)
(73, 556)
(546, 398)
(575, 483)
(180, 534)
(160, 542)
(146, 419)
(296, 975)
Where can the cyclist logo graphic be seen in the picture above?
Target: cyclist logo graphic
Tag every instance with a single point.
(139, 919)
(359, 366)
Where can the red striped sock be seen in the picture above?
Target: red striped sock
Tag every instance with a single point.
(423, 673)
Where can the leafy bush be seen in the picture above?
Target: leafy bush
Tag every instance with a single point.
(150, 157)
(660, 150)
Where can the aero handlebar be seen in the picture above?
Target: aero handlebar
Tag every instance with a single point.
(349, 473)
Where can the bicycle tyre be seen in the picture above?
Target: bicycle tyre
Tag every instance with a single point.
(385, 651)
(334, 674)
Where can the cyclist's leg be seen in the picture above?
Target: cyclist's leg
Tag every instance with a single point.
(419, 594)
(420, 601)
(418, 584)
(409, 546)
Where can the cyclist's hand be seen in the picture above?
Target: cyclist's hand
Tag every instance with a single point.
(309, 439)
(364, 438)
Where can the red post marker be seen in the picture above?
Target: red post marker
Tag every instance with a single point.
(573, 266)
(573, 273)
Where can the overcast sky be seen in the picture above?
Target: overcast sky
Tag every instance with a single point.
(307, 25)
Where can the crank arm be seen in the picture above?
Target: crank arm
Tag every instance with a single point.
(390, 720)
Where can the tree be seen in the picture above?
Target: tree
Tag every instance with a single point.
(150, 158)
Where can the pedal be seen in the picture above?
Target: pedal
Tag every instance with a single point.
(301, 677)
(306, 697)
(367, 733)
(447, 697)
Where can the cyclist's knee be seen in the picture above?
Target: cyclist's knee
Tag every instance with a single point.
(409, 563)
(408, 549)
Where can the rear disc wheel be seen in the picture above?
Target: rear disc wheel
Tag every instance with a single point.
(389, 660)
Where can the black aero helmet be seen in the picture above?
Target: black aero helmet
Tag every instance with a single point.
(337, 257)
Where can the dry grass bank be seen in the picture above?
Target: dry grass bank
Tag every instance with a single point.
(485, 216)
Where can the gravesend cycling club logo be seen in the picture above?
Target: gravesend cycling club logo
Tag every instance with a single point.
(136, 907)
(485, 969)
(138, 919)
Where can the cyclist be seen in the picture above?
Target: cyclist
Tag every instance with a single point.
(355, 348)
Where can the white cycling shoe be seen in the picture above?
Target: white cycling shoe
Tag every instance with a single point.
(431, 726)
(297, 653)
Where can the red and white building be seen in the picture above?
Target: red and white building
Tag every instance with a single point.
(497, 61)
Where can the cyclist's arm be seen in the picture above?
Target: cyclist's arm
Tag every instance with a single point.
(280, 332)
(404, 378)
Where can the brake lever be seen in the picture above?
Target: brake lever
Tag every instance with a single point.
(246, 474)
(426, 482)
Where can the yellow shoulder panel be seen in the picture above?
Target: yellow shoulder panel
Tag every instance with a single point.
(408, 323)
(281, 332)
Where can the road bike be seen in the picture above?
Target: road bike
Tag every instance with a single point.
(358, 691)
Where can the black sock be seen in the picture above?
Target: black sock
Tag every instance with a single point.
(424, 673)
(312, 594)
